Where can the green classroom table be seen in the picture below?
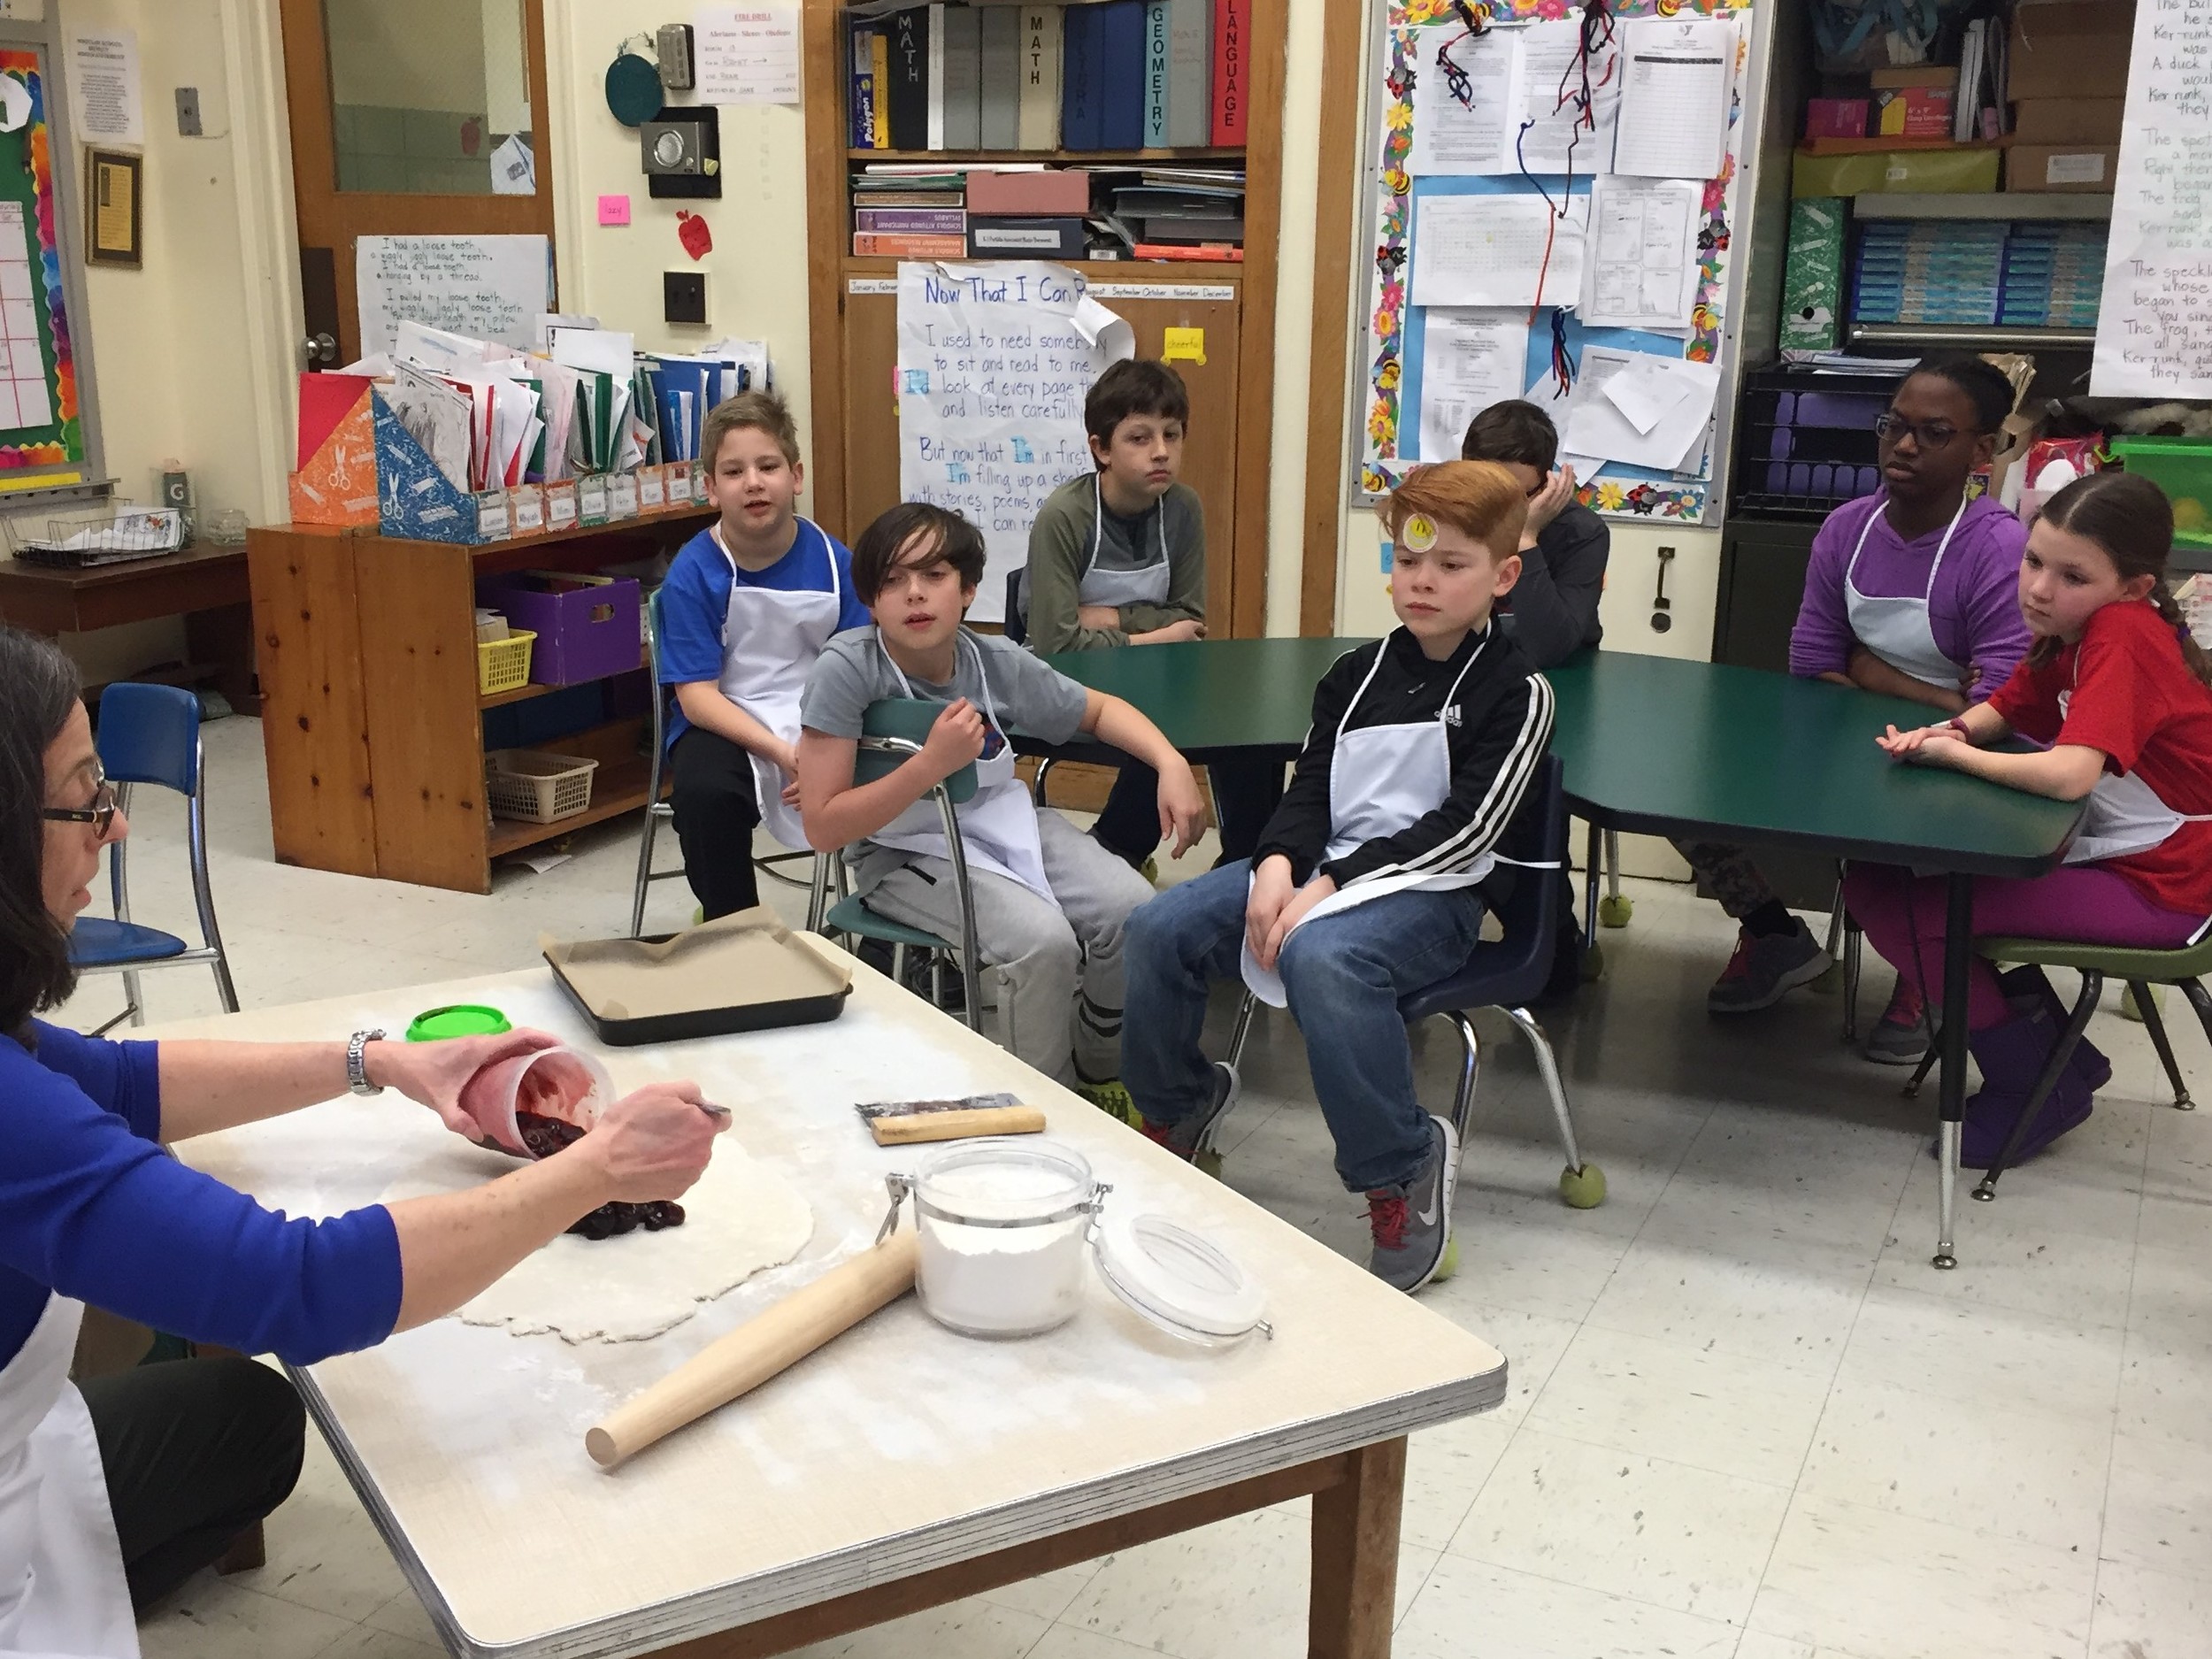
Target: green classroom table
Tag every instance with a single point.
(1656, 744)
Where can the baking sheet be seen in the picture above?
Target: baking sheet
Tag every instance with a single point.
(742, 972)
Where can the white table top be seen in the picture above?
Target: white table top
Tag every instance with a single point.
(898, 1448)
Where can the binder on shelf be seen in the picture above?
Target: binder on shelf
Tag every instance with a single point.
(910, 79)
(1121, 58)
(1155, 57)
(1025, 238)
(336, 481)
(861, 97)
(1043, 57)
(999, 60)
(1229, 71)
(879, 67)
(1082, 78)
(960, 91)
(1190, 72)
(936, 78)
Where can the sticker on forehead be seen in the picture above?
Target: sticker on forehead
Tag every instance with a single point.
(1417, 535)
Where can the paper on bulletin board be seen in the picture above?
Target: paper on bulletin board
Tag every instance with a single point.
(104, 105)
(2151, 336)
(1456, 136)
(1522, 106)
(1553, 81)
(1641, 267)
(747, 54)
(488, 287)
(993, 362)
(1640, 409)
(1497, 251)
(1679, 72)
(1470, 359)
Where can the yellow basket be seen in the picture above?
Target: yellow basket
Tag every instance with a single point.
(503, 664)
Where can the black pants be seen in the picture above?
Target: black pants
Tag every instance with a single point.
(195, 1451)
(1246, 791)
(717, 812)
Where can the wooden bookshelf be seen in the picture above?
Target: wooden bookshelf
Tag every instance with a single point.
(853, 337)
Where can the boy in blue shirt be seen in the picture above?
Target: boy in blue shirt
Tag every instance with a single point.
(748, 606)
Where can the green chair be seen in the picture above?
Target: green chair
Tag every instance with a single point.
(2140, 969)
(892, 730)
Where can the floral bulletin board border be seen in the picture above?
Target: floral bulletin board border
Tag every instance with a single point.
(1381, 467)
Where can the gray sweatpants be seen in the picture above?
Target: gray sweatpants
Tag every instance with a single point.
(1061, 1012)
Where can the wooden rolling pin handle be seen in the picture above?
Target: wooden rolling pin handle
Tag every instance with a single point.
(980, 1120)
(756, 1350)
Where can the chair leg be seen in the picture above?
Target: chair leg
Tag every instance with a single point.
(1613, 864)
(1854, 962)
(133, 1009)
(898, 963)
(2077, 1022)
(1037, 785)
(1927, 1061)
(1470, 1073)
(203, 901)
(2154, 1022)
(644, 867)
(1241, 1031)
(1590, 862)
(817, 900)
(1548, 1065)
(2201, 1000)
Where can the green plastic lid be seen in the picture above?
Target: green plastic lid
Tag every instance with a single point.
(463, 1019)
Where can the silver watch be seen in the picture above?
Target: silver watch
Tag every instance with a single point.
(357, 1063)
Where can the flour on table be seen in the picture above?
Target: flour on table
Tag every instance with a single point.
(741, 1218)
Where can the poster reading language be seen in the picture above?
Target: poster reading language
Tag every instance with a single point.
(2154, 323)
(993, 362)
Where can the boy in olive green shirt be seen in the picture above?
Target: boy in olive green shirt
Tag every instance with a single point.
(1118, 558)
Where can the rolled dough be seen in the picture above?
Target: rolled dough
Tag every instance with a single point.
(740, 1218)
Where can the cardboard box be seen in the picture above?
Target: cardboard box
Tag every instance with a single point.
(1056, 190)
(993, 238)
(2070, 48)
(2041, 167)
(1910, 112)
(1917, 172)
(1835, 118)
(2068, 120)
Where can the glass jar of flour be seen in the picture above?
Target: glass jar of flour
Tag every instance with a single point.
(1006, 1228)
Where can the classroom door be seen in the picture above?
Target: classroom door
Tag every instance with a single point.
(871, 437)
(409, 118)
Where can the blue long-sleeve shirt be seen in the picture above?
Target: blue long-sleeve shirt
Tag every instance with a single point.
(91, 1207)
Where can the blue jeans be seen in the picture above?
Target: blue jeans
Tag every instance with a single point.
(1345, 974)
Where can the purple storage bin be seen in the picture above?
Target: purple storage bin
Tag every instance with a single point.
(587, 632)
(1855, 411)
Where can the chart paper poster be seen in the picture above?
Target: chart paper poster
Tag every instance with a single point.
(487, 287)
(2154, 323)
(994, 361)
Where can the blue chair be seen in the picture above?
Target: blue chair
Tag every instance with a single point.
(151, 735)
(1507, 975)
(892, 730)
(660, 810)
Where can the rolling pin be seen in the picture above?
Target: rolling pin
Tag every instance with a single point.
(760, 1348)
(956, 1125)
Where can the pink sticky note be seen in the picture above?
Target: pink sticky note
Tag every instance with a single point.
(614, 210)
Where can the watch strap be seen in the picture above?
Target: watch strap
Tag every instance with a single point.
(357, 1063)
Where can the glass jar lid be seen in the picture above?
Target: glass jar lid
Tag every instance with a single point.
(1004, 1182)
(1182, 1282)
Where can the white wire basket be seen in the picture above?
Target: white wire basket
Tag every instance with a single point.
(99, 535)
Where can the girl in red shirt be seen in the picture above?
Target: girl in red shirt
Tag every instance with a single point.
(2123, 698)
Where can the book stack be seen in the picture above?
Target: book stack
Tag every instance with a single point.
(910, 211)
(1179, 212)
(1112, 75)
(1928, 273)
(2053, 275)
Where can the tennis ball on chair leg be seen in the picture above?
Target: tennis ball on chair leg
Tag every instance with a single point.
(1593, 963)
(1614, 909)
(1583, 1188)
(1449, 1265)
(2128, 1009)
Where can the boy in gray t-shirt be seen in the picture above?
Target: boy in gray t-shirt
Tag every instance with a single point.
(1050, 902)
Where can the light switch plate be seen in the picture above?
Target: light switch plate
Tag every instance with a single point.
(188, 112)
(684, 297)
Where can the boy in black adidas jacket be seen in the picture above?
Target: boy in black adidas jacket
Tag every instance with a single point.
(1367, 883)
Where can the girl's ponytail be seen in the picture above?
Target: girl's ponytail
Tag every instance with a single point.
(2130, 518)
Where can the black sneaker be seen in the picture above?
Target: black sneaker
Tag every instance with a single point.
(1411, 1224)
(1193, 1134)
(1765, 968)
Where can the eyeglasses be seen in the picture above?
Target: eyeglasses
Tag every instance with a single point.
(1931, 435)
(100, 814)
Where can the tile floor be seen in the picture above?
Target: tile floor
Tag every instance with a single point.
(1747, 1418)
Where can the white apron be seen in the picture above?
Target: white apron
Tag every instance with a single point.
(1898, 630)
(998, 822)
(1147, 585)
(62, 1589)
(1381, 779)
(2123, 814)
(770, 639)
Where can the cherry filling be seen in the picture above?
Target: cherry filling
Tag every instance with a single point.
(545, 1136)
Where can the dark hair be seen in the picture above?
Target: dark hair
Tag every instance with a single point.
(762, 411)
(1983, 382)
(1136, 386)
(2130, 518)
(38, 687)
(953, 540)
(1512, 431)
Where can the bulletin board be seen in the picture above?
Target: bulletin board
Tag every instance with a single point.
(42, 426)
(1396, 333)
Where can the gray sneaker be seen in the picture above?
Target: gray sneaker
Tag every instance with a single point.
(1765, 968)
(1903, 1034)
(1192, 1135)
(1412, 1223)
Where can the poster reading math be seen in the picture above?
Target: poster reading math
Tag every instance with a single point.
(994, 364)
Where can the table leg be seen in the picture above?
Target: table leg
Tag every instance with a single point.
(1590, 886)
(1958, 946)
(222, 638)
(1354, 1586)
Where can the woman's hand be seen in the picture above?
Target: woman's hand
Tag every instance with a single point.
(1182, 809)
(652, 1144)
(435, 1073)
(1271, 889)
(1293, 913)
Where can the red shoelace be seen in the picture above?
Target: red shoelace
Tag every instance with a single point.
(1738, 959)
(1386, 1219)
(1159, 1135)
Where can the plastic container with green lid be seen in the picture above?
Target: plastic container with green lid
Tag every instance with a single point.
(462, 1019)
(2183, 468)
